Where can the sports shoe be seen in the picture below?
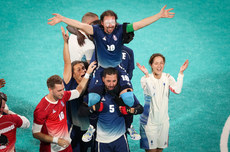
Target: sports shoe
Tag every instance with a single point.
(133, 134)
(88, 135)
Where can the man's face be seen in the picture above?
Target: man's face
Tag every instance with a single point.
(110, 81)
(109, 24)
(3, 106)
(79, 72)
(58, 91)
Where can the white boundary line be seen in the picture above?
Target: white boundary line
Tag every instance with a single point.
(224, 136)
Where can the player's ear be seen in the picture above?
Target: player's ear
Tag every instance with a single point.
(49, 89)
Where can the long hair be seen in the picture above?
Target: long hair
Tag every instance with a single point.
(108, 13)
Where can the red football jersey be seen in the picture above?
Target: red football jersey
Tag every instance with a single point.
(52, 117)
(8, 126)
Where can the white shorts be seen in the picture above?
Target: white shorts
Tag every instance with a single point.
(154, 136)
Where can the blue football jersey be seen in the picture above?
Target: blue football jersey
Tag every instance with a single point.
(108, 46)
(111, 124)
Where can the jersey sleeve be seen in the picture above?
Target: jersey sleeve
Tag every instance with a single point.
(95, 30)
(17, 120)
(25, 122)
(175, 86)
(131, 63)
(145, 84)
(67, 95)
(39, 115)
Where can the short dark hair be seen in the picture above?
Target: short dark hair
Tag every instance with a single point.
(54, 79)
(96, 22)
(109, 71)
(155, 55)
(108, 13)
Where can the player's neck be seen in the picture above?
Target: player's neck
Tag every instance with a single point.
(157, 76)
(51, 98)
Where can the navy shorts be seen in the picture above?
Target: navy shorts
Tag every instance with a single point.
(119, 145)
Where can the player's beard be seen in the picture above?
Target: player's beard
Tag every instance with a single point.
(57, 97)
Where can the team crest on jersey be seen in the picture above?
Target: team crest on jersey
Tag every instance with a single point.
(62, 104)
(114, 37)
(103, 99)
(104, 38)
(54, 111)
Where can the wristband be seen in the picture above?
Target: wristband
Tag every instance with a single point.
(86, 76)
(55, 140)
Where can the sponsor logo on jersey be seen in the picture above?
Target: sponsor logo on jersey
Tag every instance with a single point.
(7, 129)
(103, 99)
(96, 82)
(104, 38)
(54, 111)
(2, 147)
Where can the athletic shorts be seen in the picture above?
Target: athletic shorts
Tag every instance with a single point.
(119, 145)
(96, 84)
(154, 136)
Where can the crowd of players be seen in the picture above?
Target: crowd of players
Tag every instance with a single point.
(91, 107)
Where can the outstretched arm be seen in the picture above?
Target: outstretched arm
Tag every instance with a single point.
(58, 18)
(176, 86)
(143, 69)
(149, 20)
(66, 57)
(184, 67)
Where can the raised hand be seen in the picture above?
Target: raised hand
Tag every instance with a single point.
(65, 35)
(143, 69)
(165, 13)
(2, 83)
(184, 66)
(56, 19)
(91, 67)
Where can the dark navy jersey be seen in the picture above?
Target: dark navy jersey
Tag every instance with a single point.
(108, 46)
(127, 60)
(111, 124)
(73, 106)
